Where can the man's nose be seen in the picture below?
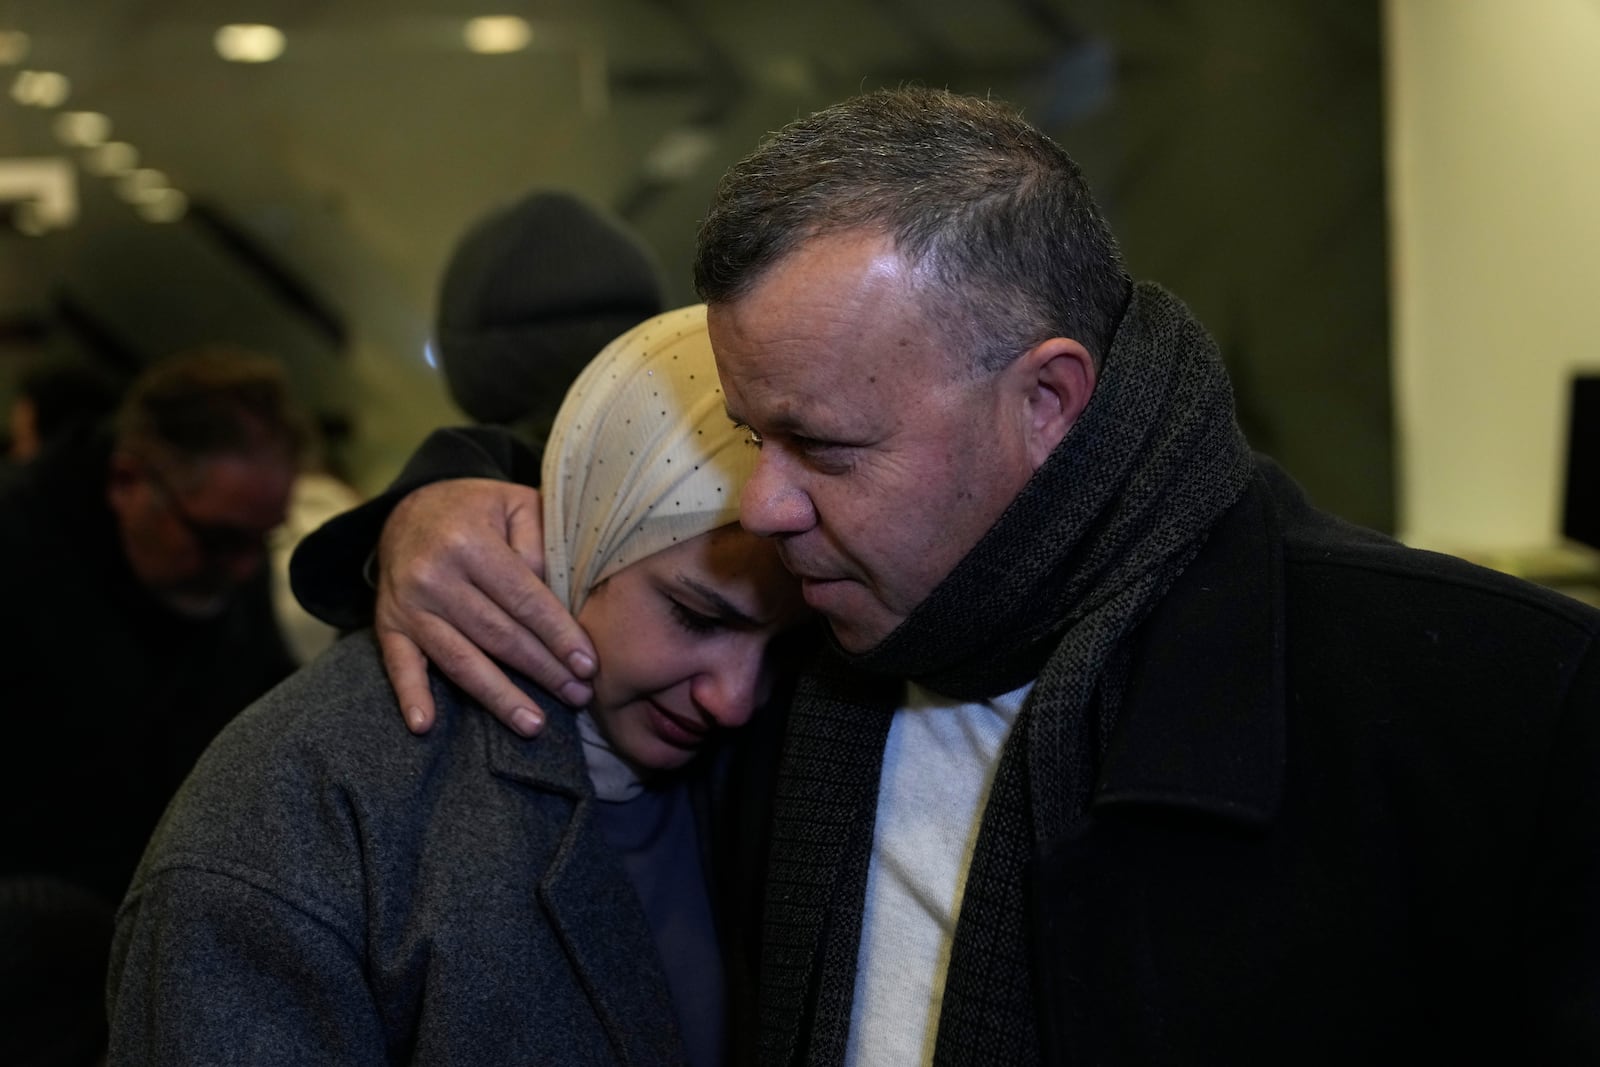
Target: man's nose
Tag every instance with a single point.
(728, 693)
(773, 502)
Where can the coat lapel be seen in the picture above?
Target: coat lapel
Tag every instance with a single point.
(585, 894)
(1202, 735)
(1202, 724)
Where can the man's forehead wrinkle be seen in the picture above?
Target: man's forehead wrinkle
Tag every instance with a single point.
(770, 361)
(777, 411)
(755, 402)
(795, 348)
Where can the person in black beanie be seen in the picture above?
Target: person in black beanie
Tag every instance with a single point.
(531, 292)
(1122, 752)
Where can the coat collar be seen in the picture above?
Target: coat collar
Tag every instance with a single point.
(552, 762)
(1202, 721)
(585, 893)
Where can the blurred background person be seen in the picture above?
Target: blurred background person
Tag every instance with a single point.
(137, 614)
(51, 400)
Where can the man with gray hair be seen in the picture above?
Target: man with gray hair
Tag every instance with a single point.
(137, 611)
(1120, 751)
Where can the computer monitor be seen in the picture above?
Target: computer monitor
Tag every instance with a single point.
(1580, 513)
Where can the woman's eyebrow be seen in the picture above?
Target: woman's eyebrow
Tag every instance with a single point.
(726, 610)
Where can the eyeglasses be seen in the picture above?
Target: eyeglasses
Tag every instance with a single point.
(214, 539)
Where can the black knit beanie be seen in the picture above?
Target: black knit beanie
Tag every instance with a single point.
(531, 293)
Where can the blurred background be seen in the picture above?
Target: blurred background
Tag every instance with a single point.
(1384, 211)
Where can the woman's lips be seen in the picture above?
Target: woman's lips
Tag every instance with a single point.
(674, 729)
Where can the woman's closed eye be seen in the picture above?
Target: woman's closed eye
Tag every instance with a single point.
(693, 621)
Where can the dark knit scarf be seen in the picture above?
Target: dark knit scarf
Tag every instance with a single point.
(1051, 593)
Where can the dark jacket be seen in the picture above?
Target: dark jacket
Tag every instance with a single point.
(107, 697)
(328, 888)
(1351, 814)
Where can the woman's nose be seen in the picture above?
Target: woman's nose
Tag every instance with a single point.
(728, 693)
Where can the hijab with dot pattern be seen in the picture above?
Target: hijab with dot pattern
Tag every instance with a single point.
(641, 455)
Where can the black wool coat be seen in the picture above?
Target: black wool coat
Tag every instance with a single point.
(1350, 814)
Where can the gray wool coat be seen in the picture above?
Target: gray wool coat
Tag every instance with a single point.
(328, 888)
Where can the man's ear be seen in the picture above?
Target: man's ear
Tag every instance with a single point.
(1057, 378)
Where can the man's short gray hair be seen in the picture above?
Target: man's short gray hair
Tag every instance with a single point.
(993, 212)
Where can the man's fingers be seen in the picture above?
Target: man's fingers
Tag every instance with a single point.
(547, 628)
(525, 531)
(408, 675)
(459, 564)
(472, 617)
(523, 623)
(507, 641)
(479, 677)
(453, 643)
(410, 639)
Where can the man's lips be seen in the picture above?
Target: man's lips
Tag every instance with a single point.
(677, 730)
(817, 579)
(814, 590)
(800, 564)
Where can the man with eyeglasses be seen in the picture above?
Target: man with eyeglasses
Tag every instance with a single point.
(135, 610)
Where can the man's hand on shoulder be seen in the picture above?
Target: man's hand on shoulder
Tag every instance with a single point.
(460, 567)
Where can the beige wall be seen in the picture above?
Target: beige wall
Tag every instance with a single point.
(1494, 150)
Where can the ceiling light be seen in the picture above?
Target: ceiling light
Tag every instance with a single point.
(41, 88)
(111, 159)
(82, 129)
(13, 47)
(497, 34)
(43, 192)
(165, 205)
(141, 186)
(27, 220)
(679, 153)
(249, 42)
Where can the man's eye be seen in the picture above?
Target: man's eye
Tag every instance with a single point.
(826, 456)
(692, 620)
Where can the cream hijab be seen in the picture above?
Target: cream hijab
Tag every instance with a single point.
(641, 455)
